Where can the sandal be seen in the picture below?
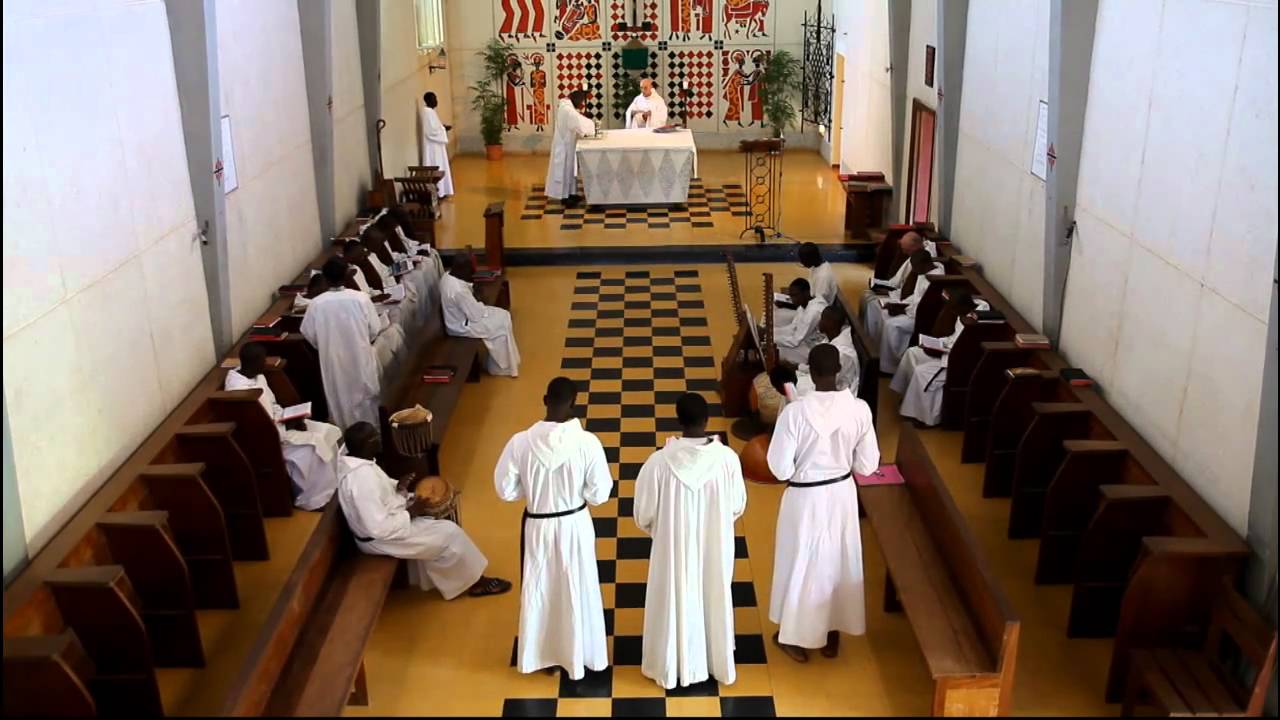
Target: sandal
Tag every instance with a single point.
(489, 586)
(795, 653)
(832, 648)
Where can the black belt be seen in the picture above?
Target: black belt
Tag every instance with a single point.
(820, 483)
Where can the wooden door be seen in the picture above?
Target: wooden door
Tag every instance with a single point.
(920, 168)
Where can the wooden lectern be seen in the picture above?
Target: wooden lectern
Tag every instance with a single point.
(867, 197)
(744, 360)
(493, 246)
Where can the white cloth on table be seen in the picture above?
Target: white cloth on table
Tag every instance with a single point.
(440, 554)
(435, 147)
(342, 325)
(652, 104)
(310, 455)
(850, 365)
(465, 316)
(555, 467)
(797, 337)
(687, 497)
(562, 169)
(817, 568)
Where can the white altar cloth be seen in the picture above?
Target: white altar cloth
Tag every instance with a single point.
(637, 167)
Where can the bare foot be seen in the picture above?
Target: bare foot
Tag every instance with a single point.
(795, 653)
(833, 645)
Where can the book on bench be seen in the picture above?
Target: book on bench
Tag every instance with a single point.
(485, 276)
(885, 475)
(439, 373)
(267, 333)
(301, 411)
(1076, 377)
(1031, 341)
(989, 316)
(291, 289)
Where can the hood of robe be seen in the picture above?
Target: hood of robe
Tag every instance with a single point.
(554, 443)
(825, 410)
(692, 460)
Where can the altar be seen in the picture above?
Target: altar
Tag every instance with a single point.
(637, 167)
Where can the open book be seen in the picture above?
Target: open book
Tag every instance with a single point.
(396, 292)
(877, 282)
(295, 412)
(400, 267)
(929, 342)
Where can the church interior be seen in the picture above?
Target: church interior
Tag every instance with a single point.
(1040, 230)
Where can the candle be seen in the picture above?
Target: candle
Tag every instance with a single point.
(685, 84)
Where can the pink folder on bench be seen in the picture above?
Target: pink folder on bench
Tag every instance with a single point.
(886, 475)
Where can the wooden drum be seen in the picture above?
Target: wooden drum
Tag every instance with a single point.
(411, 431)
(440, 497)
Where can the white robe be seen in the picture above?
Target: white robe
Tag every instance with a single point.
(440, 553)
(920, 378)
(687, 497)
(817, 568)
(465, 316)
(342, 325)
(850, 365)
(893, 332)
(311, 455)
(822, 283)
(654, 105)
(562, 170)
(555, 467)
(796, 338)
(435, 147)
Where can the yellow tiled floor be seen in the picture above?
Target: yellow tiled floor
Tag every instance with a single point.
(430, 657)
(812, 205)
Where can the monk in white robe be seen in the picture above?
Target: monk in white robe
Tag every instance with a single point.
(822, 283)
(795, 339)
(648, 110)
(435, 142)
(342, 325)
(387, 519)
(558, 469)
(891, 320)
(836, 331)
(402, 311)
(562, 170)
(688, 495)
(922, 374)
(466, 316)
(819, 441)
(908, 244)
(310, 448)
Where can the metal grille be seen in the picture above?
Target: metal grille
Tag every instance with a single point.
(818, 75)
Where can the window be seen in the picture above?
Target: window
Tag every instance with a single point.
(429, 15)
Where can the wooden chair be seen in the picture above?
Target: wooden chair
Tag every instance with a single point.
(1197, 682)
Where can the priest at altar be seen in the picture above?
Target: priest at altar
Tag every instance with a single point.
(648, 110)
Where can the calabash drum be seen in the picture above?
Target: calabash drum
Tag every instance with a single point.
(411, 431)
(755, 463)
(440, 497)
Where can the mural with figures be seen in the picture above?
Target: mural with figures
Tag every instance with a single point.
(628, 19)
(527, 89)
(578, 21)
(522, 21)
(690, 20)
(741, 70)
(745, 20)
(582, 69)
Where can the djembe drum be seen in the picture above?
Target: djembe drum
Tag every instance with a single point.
(411, 434)
(440, 498)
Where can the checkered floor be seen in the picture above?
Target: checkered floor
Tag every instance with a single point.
(704, 203)
(636, 342)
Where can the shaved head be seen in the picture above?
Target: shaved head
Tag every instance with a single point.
(646, 86)
(910, 242)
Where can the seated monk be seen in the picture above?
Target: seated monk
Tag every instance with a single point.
(835, 330)
(415, 278)
(399, 229)
(908, 244)
(466, 316)
(922, 374)
(892, 320)
(822, 282)
(375, 279)
(311, 449)
(387, 519)
(316, 284)
(795, 339)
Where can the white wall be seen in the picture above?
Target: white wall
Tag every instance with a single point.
(106, 324)
(405, 78)
(862, 36)
(273, 224)
(351, 169)
(998, 212)
(1169, 289)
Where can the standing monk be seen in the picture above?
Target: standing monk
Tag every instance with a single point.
(562, 170)
(558, 469)
(818, 443)
(342, 325)
(435, 143)
(688, 495)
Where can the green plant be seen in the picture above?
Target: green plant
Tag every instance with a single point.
(487, 96)
(781, 77)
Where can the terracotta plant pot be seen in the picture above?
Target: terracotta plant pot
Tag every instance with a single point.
(493, 152)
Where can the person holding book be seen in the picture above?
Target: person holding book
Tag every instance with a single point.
(908, 244)
(822, 281)
(922, 374)
(820, 441)
(892, 319)
(466, 316)
(311, 449)
(796, 337)
(558, 469)
(375, 278)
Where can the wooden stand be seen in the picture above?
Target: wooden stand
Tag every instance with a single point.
(493, 245)
(864, 207)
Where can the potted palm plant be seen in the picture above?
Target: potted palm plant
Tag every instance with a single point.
(487, 96)
(781, 76)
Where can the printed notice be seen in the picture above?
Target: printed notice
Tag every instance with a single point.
(1040, 155)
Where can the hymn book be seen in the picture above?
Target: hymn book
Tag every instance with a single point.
(885, 475)
(929, 342)
(396, 292)
(301, 411)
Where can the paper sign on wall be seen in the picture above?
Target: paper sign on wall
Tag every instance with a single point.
(229, 179)
(1039, 156)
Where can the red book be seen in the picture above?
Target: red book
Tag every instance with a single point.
(885, 475)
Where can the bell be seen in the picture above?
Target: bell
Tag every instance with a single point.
(755, 463)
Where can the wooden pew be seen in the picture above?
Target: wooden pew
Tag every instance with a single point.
(965, 626)
(889, 256)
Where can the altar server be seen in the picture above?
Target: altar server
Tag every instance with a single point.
(435, 143)
(922, 374)
(387, 520)
(466, 316)
(558, 469)
(562, 171)
(310, 448)
(342, 324)
(687, 497)
(648, 110)
(820, 440)
(796, 337)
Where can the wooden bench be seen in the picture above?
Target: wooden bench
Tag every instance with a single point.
(937, 573)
